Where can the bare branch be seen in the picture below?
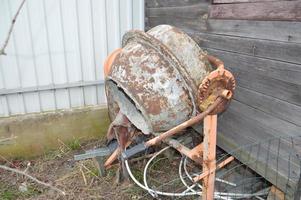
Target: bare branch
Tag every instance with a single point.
(7, 140)
(32, 178)
(2, 50)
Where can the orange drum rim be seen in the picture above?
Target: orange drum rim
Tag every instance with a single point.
(109, 61)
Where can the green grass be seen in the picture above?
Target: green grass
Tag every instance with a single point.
(13, 193)
(8, 195)
(74, 144)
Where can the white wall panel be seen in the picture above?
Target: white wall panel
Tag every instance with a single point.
(57, 49)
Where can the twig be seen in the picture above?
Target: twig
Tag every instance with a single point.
(32, 178)
(27, 167)
(83, 175)
(2, 50)
(5, 140)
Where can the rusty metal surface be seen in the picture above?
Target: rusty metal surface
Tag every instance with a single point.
(186, 124)
(213, 84)
(186, 50)
(154, 79)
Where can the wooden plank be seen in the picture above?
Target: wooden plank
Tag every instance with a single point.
(298, 190)
(266, 126)
(228, 140)
(278, 89)
(169, 3)
(263, 150)
(285, 111)
(263, 79)
(275, 194)
(282, 51)
(236, 131)
(193, 11)
(269, 30)
(240, 1)
(284, 128)
(278, 11)
(259, 165)
(281, 71)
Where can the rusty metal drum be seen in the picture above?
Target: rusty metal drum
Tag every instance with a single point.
(155, 77)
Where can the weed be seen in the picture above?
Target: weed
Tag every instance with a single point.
(8, 195)
(74, 144)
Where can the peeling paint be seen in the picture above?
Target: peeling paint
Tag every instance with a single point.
(154, 79)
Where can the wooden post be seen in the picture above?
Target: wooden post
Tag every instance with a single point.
(276, 194)
(209, 154)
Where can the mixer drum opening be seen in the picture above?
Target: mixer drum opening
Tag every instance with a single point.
(128, 107)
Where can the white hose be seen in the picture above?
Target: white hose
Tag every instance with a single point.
(187, 173)
(195, 184)
(155, 193)
(182, 179)
(190, 177)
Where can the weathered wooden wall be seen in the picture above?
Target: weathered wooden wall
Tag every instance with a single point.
(265, 57)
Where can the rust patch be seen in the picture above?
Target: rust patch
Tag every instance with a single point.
(159, 71)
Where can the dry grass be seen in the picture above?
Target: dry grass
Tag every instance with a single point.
(79, 180)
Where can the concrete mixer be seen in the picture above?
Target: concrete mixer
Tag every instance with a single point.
(160, 83)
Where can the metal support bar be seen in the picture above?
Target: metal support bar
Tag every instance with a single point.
(219, 166)
(209, 154)
(184, 125)
(100, 152)
(50, 87)
(190, 153)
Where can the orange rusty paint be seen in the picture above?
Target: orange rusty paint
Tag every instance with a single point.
(185, 124)
(114, 156)
(194, 154)
(109, 61)
(216, 62)
(213, 84)
(197, 152)
(209, 156)
(219, 166)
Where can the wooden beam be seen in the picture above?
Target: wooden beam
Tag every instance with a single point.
(259, 165)
(237, 130)
(269, 30)
(191, 12)
(209, 156)
(275, 194)
(274, 50)
(285, 111)
(275, 79)
(277, 11)
(240, 1)
(169, 3)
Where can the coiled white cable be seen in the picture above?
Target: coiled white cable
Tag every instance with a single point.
(155, 193)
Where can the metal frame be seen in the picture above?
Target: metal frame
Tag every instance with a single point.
(51, 87)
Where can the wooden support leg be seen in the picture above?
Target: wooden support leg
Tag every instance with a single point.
(209, 154)
(276, 194)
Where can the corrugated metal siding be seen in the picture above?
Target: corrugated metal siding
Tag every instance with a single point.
(55, 55)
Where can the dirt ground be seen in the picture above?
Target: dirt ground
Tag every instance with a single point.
(79, 180)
